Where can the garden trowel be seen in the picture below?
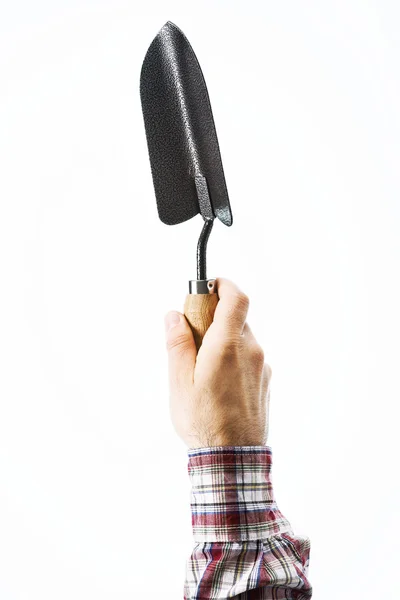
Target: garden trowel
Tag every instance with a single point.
(184, 155)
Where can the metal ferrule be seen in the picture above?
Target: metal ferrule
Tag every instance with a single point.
(202, 286)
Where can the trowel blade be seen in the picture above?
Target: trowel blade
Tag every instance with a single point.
(181, 137)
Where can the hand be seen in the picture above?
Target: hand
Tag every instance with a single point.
(220, 396)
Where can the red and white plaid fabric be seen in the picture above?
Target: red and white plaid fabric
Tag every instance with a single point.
(245, 547)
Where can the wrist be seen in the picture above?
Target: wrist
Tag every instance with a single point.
(219, 442)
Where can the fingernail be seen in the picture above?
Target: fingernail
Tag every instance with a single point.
(171, 320)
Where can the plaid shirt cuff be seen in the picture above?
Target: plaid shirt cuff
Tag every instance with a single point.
(232, 497)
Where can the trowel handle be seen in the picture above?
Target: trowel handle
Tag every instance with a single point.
(200, 305)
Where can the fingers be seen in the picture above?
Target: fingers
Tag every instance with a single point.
(248, 333)
(181, 350)
(231, 312)
(266, 369)
(267, 374)
(266, 396)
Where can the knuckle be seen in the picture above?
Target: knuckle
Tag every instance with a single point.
(238, 306)
(241, 300)
(178, 342)
(258, 354)
(229, 350)
(268, 371)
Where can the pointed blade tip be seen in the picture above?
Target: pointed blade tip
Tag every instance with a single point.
(169, 25)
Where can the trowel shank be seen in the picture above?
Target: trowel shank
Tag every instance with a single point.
(202, 299)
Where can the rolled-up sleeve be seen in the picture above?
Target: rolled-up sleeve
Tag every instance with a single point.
(244, 546)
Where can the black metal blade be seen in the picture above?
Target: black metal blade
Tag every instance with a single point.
(184, 153)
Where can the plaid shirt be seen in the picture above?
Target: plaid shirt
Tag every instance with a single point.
(244, 546)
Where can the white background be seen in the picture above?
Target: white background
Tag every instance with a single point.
(94, 493)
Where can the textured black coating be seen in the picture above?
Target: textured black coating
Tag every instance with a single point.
(180, 131)
(202, 249)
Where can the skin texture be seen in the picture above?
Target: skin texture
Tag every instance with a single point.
(220, 396)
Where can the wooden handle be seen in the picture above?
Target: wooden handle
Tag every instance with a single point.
(199, 311)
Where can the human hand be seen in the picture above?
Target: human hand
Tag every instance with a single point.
(220, 396)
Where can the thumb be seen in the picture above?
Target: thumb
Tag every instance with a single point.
(181, 349)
